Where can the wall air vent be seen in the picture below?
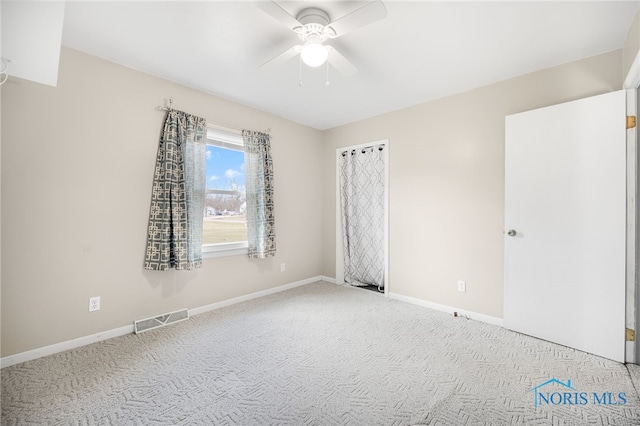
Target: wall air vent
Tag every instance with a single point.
(160, 321)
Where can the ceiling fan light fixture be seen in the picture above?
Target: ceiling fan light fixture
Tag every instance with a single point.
(314, 54)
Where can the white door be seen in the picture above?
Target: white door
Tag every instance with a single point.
(565, 209)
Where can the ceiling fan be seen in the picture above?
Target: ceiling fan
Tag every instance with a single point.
(314, 27)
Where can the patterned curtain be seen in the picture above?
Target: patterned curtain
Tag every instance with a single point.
(362, 204)
(258, 166)
(174, 238)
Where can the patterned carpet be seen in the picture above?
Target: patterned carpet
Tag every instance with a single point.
(320, 354)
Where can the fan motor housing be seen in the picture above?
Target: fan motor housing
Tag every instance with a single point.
(315, 25)
(313, 15)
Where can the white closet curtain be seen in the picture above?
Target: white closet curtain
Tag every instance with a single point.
(362, 189)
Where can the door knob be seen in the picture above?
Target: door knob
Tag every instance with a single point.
(511, 232)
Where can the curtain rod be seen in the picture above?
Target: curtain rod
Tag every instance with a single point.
(380, 147)
(210, 123)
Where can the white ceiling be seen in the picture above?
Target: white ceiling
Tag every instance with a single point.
(423, 50)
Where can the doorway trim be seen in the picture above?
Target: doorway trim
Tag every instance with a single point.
(339, 249)
(632, 316)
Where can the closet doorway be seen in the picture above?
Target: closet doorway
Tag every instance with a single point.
(362, 216)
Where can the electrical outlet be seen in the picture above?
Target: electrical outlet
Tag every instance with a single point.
(94, 304)
(462, 286)
(283, 267)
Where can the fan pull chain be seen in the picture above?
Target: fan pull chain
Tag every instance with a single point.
(300, 71)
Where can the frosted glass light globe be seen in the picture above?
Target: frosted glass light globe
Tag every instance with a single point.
(314, 54)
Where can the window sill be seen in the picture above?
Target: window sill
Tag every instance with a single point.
(222, 250)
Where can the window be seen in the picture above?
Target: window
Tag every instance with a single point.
(225, 217)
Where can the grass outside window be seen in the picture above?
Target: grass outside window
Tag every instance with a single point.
(224, 229)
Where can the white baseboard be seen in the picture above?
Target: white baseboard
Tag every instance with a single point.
(425, 304)
(448, 309)
(10, 360)
(239, 299)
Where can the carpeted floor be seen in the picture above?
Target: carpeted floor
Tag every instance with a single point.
(320, 354)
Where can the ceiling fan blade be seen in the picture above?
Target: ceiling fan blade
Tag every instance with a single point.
(283, 57)
(276, 11)
(367, 14)
(341, 63)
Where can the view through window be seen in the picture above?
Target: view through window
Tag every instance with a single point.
(225, 218)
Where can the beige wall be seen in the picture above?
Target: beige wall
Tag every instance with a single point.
(77, 168)
(447, 181)
(631, 45)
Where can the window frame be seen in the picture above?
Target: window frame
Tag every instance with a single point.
(228, 140)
